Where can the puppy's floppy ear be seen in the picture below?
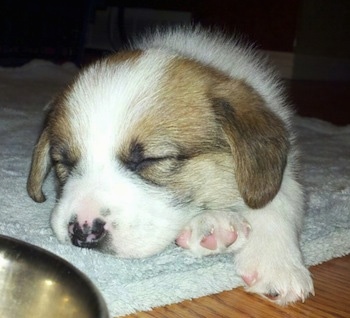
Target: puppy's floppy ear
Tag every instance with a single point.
(257, 137)
(41, 164)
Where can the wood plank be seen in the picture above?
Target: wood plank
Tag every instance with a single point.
(332, 287)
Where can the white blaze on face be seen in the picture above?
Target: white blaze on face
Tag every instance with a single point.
(104, 103)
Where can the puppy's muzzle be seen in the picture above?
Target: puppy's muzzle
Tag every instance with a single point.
(86, 235)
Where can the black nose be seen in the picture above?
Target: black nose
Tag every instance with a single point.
(86, 235)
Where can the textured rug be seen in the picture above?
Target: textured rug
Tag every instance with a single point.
(172, 276)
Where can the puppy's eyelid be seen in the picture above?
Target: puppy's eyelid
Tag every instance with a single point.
(67, 163)
(144, 162)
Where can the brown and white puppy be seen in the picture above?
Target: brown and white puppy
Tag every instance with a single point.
(184, 137)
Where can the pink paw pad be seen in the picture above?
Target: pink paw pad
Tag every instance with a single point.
(209, 242)
(250, 279)
(219, 237)
(228, 237)
(183, 239)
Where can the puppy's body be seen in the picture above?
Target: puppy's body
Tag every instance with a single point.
(186, 136)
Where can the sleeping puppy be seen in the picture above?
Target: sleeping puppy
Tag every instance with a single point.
(186, 136)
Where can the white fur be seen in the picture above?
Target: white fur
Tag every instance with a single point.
(107, 100)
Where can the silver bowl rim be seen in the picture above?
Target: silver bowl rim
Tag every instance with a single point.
(28, 247)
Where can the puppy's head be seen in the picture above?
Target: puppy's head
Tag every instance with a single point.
(143, 141)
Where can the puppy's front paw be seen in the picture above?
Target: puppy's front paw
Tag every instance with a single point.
(212, 233)
(282, 280)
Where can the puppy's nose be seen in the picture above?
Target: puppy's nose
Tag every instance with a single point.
(87, 235)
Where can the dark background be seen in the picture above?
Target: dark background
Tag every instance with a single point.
(315, 32)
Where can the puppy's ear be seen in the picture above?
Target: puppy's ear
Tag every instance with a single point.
(40, 167)
(258, 140)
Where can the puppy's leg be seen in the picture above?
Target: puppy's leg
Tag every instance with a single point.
(212, 233)
(271, 262)
(265, 243)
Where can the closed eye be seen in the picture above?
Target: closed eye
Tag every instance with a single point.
(145, 163)
(61, 156)
(67, 163)
(62, 162)
(138, 160)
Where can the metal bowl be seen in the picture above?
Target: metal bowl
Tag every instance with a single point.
(37, 283)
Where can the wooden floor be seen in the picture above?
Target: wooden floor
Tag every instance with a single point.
(332, 299)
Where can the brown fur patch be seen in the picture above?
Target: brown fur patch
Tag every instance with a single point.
(181, 129)
(258, 140)
(181, 118)
(202, 114)
(39, 168)
(56, 145)
(64, 149)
